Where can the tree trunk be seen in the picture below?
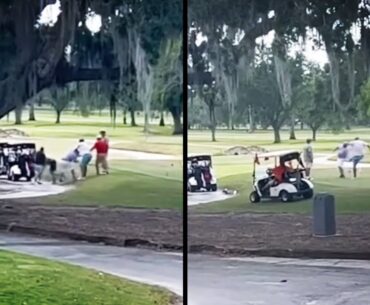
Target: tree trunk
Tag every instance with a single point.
(161, 121)
(124, 117)
(146, 122)
(32, 113)
(212, 117)
(132, 114)
(58, 116)
(18, 113)
(314, 131)
(176, 114)
(302, 125)
(277, 138)
(252, 124)
(292, 129)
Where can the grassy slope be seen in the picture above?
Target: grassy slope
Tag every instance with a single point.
(235, 172)
(123, 188)
(26, 280)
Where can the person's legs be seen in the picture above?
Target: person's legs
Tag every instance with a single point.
(308, 169)
(98, 161)
(105, 163)
(356, 160)
(84, 163)
(340, 167)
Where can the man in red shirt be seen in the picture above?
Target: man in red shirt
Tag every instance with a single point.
(101, 146)
(279, 173)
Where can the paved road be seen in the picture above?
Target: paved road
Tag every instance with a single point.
(215, 281)
(154, 268)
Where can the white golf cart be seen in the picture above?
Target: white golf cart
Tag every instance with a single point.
(201, 176)
(19, 160)
(294, 184)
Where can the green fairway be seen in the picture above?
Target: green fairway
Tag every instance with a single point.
(235, 172)
(26, 280)
(74, 127)
(144, 184)
(199, 141)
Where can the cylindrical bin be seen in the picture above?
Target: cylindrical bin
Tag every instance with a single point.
(324, 215)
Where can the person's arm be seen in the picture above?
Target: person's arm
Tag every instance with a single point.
(94, 147)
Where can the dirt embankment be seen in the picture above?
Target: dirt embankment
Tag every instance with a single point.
(155, 229)
(284, 235)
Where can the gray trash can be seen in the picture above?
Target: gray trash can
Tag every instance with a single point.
(324, 215)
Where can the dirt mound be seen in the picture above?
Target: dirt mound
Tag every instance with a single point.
(12, 132)
(244, 150)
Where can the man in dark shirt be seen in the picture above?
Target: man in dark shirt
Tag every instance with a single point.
(39, 165)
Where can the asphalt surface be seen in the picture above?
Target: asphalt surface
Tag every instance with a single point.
(264, 281)
(205, 197)
(149, 267)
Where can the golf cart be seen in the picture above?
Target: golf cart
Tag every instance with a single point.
(20, 158)
(4, 159)
(201, 176)
(293, 185)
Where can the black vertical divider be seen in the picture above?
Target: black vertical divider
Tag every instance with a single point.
(185, 151)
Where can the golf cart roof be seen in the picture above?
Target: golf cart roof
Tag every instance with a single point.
(284, 156)
(200, 158)
(24, 145)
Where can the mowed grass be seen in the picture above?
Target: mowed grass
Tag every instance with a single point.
(26, 280)
(123, 188)
(235, 172)
(132, 183)
(200, 141)
(74, 127)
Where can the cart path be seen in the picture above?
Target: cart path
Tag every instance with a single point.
(205, 197)
(145, 266)
(217, 281)
(17, 190)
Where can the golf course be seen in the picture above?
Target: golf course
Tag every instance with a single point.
(234, 172)
(138, 203)
(146, 169)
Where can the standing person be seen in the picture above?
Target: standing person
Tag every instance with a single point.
(308, 157)
(86, 156)
(39, 164)
(358, 151)
(101, 147)
(341, 158)
(103, 136)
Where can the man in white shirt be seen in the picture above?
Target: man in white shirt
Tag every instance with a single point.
(357, 148)
(84, 151)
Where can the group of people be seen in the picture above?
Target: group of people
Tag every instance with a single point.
(352, 151)
(81, 155)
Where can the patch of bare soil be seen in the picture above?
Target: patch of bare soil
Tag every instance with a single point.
(284, 235)
(155, 229)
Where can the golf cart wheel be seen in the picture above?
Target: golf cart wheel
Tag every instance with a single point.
(308, 195)
(254, 197)
(214, 187)
(192, 188)
(285, 196)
